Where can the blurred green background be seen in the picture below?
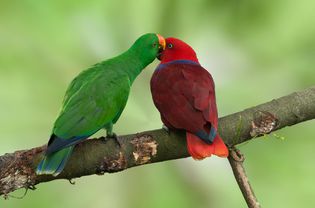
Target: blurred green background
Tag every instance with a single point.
(255, 50)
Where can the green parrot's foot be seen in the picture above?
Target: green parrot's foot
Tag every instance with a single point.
(166, 129)
(111, 135)
(115, 137)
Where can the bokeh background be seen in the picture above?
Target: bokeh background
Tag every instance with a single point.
(255, 50)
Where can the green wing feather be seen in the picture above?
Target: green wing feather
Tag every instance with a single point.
(92, 101)
(92, 105)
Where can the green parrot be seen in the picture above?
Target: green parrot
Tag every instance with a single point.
(95, 99)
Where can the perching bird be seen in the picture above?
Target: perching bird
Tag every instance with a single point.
(183, 92)
(95, 99)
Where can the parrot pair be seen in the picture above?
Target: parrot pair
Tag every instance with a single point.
(181, 89)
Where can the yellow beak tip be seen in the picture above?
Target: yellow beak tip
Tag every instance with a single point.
(162, 41)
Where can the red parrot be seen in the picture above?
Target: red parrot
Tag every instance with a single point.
(183, 92)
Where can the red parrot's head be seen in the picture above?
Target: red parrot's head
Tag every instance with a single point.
(177, 50)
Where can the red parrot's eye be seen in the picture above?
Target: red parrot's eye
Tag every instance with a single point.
(170, 45)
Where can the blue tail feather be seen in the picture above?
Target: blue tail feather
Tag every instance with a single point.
(63, 163)
(208, 138)
(53, 164)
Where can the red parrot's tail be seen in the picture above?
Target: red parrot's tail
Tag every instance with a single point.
(199, 150)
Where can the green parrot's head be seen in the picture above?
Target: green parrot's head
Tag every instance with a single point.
(148, 47)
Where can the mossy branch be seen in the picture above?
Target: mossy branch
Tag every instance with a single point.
(98, 156)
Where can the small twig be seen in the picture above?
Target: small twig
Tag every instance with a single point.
(236, 160)
(71, 181)
(16, 197)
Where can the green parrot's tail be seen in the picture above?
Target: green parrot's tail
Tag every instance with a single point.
(54, 163)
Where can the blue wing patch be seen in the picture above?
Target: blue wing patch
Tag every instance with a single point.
(181, 61)
(56, 143)
(208, 138)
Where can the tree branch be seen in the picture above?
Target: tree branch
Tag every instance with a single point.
(97, 156)
(236, 159)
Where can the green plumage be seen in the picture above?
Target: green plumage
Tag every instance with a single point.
(95, 99)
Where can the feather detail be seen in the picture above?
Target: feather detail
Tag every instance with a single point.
(184, 95)
(54, 163)
(199, 150)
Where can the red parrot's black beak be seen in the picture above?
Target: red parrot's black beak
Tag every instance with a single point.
(162, 45)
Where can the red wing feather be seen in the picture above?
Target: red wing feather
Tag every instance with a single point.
(184, 94)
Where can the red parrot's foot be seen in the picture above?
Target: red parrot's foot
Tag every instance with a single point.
(166, 129)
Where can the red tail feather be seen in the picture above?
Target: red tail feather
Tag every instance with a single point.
(199, 150)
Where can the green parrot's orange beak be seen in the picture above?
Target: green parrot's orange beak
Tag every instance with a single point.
(162, 42)
(162, 45)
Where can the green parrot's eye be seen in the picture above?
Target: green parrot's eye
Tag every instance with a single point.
(170, 45)
(154, 44)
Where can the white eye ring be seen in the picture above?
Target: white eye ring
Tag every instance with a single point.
(170, 45)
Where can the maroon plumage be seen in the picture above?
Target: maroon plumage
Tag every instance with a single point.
(183, 92)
